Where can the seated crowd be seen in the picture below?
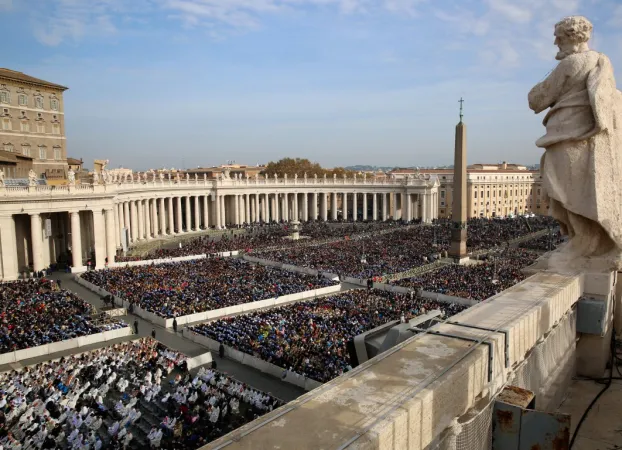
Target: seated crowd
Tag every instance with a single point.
(137, 394)
(402, 249)
(310, 338)
(477, 282)
(181, 288)
(263, 236)
(544, 243)
(37, 312)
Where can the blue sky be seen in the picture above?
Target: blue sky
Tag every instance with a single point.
(197, 82)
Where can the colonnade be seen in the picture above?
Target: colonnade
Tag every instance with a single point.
(95, 222)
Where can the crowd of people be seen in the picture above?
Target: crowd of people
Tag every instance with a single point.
(310, 338)
(181, 288)
(402, 249)
(544, 243)
(37, 312)
(478, 281)
(257, 237)
(137, 394)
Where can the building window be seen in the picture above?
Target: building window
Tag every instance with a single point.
(5, 97)
(6, 124)
(475, 194)
(55, 128)
(39, 102)
(26, 150)
(25, 126)
(43, 154)
(57, 155)
(40, 127)
(8, 148)
(22, 100)
(54, 104)
(442, 203)
(442, 194)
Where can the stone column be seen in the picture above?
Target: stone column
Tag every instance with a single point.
(111, 249)
(171, 216)
(385, 197)
(141, 222)
(216, 206)
(223, 211)
(178, 216)
(364, 206)
(100, 238)
(247, 209)
(8, 255)
(115, 226)
(126, 218)
(355, 206)
(120, 223)
(256, 217)
(396, 215)
(188, 214)
(275, 208)
(374, 207)
(148, 219)
(134, 221)
(344, 206)
(424, 208)
(314, 206)
(76, 238)
(333, 206)
(324, 204)
(305, 207)
(197, 214)
(154, 218)
(236, 209)
(295, 213)
(205, 212)
(36, 236)
(406, 205)
(162, 217)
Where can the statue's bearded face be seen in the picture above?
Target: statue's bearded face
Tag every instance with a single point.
(566, 47)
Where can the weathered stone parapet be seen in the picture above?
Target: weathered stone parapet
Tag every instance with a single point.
(407, 396)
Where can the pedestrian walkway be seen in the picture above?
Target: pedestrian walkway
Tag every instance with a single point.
(176, 341)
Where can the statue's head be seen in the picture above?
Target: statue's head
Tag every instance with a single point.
(571, 35)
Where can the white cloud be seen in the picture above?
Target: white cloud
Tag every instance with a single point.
(6, 4)
(408, 7)
(511, 10)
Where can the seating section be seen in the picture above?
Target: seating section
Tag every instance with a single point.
(138, 394)
(37, 312)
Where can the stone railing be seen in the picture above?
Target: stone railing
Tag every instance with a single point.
(132, 185)
(439, 386)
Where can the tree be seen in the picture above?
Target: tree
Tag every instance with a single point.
(300, 166)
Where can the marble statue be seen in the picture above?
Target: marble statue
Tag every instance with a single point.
(225, 174)
(582, 163)
(95, 178)
(169, 177)
(188, 177)
(204, 177)
(161, 177)
(1, 177)
(196, 177)
(32, 178)
(71, 177)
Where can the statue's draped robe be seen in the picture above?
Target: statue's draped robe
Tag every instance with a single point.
(582, 165)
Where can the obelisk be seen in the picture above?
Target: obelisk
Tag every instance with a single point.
(458, 248)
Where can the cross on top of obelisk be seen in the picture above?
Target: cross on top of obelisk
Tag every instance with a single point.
(461, 101)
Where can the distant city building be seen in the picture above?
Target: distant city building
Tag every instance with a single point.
(493, 190)
(234, 170)
(32, 131)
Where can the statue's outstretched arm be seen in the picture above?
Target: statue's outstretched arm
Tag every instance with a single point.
(546, 93)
